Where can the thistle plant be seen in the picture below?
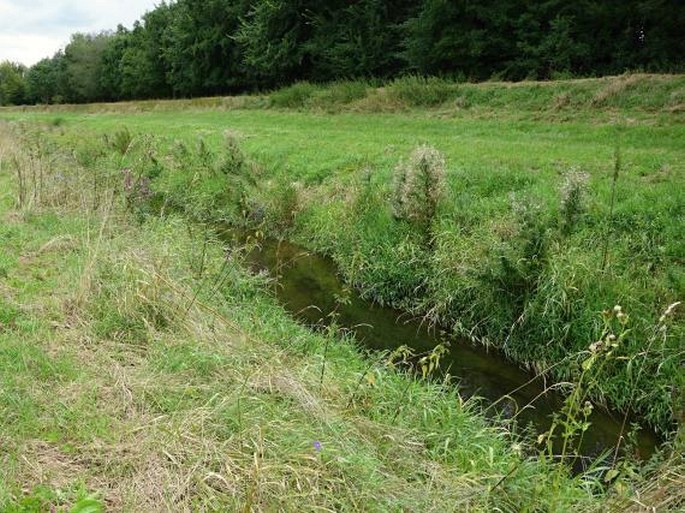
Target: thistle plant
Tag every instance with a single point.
(572, 198)
(136, 188)
(233, 159)
(419, 185)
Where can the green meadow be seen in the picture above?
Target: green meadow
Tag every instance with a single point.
(144, 370)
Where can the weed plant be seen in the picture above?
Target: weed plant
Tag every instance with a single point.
(573, 206)
(419, 185)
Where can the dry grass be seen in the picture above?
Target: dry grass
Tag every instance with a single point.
(615, 86)
(663, 491)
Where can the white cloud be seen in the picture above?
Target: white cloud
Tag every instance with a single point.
(33, 29)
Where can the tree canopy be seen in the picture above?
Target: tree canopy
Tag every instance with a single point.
(205, 47)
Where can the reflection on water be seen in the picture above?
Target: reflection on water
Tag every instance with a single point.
(308, 285)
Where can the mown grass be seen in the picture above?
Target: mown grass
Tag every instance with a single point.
(144, 369)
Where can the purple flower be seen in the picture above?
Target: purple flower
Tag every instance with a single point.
(317, 446)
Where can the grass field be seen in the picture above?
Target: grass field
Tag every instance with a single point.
(91, 298)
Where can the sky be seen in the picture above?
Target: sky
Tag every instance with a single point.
(31, 30)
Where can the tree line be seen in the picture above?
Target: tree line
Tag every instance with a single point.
(207, 47)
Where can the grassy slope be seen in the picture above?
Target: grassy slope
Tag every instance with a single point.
(107, 389)
(505, 146)
(149, 371)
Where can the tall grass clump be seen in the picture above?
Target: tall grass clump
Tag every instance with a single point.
(232, 160)
(120, 141)
(296, 96)
(130, 298)
(284, 203)
(417, 91)
(521, 259)
(58, 177)
(340, 93)
(329, 97)
(418, 187)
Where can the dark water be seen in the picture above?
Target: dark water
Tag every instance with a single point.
(308, 286)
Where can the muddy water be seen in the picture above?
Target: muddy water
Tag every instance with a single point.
(308, 286)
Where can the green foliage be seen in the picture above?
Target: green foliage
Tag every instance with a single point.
(83, 58)
(87, 505)
(523, 258)
(120, 141)
(12, 83)
(43, 498)
(204, 182)
(270, 38)
(233, 160)
(341, 93)
(190, 48)
(505, 269)
(417, 91)
(295, 96)
(144, 63)
(45, 81)
(357, 40)
(177, 356)
(283, 206)
(200, 53)
(303, 95)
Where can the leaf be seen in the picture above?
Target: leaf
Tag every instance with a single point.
(611, 475)
(87, 505)
(588, 362)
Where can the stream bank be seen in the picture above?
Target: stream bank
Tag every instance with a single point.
(309, 287)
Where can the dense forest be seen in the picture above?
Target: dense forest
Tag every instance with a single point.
(208, 47)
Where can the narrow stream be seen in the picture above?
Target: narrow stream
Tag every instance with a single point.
(307, 286)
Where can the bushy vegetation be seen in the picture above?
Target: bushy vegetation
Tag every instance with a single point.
(189, 48)
(151, 371)
(523, 244)
(556, 242)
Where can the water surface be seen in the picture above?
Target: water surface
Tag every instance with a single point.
(309, 287)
